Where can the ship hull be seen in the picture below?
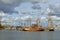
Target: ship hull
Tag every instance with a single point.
(50, 29)
(33, 29)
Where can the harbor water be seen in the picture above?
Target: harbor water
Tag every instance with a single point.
(22, 35)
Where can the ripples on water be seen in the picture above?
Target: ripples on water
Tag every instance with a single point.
(21, 35)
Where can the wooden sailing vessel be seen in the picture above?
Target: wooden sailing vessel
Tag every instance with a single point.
(50, 25)
(34, 27)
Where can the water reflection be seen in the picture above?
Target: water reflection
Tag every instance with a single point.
(21, 35)
(50, 35)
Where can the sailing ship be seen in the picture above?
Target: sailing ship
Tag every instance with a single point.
(50, 25)
(34, 27)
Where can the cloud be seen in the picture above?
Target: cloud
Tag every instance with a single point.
(11, 17)
(43, 17)
(36, 6)
(57, 5)
(7, 6)
(44, 1)
(52, 17)
(26, 17)
(58, 18)
(55, 8)
(55, 18)
(16, 18)
(49, 11)
(2, 14)
(36, 1)
(8, 1)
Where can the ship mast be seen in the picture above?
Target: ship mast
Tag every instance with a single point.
(38, 21)
(30, 22)
(49, 20)
(30, 19)
(24, 23)
(37, 7)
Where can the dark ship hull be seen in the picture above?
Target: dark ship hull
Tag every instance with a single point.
(50, 29)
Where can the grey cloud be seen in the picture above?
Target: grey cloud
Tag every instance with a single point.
(8, 1)
(9, 7)
(55, 9)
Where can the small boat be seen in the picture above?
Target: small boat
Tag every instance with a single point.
(50, 29)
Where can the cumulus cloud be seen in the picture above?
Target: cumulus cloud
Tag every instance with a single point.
(57, 5)
(16, 18)
(58, 18)
(52, 17)
(44, 1)
(11, 18)
(36, 6)
(49, 11)
(36, 1)
(43, 17)
(55, 18)
(3, 14)
(53, 9)
(26, 17)
(8, 6)
(8, 1)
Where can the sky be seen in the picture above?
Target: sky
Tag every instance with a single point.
(16, 12)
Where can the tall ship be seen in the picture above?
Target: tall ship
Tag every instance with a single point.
(37, 27)
(34, 27)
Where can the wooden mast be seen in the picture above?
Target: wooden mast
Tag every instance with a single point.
(38, 22)
(50, 22)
